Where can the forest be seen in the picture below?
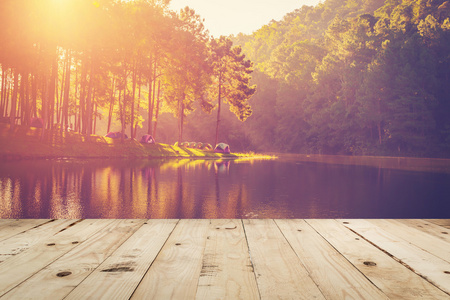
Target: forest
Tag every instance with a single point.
(74, 64)
(354, 77)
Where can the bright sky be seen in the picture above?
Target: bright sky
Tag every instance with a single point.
(225, 17)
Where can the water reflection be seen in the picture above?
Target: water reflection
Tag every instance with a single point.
(217, 189)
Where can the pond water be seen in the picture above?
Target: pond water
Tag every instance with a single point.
(217, 189)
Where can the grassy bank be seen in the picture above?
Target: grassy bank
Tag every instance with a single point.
(26, 143)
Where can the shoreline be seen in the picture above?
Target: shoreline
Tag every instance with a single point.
(24, 143)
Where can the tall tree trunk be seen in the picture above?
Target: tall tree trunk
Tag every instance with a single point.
(150, 108)
(12, 114)
(124, 108)
(138, 104)
(65, 109)
(60, 99)
(22, 100)
(3, 93)
(34, 87)
(89, 106)
(154, 89)
(46, 87)
(218, 110)
(180, 118)
(83, 86)
(8, 96)
(133, 94)
(27, 105)
(157, 109)
(95, 118)
(52, 89)
(111, 105)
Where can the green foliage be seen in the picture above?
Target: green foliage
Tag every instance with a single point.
(358, 77)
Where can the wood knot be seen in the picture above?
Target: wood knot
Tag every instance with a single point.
(63, 274)
(370, 263)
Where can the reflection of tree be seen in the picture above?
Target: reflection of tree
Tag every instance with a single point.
(179, 197)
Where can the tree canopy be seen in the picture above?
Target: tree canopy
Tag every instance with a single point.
(77, 63)
(361, 77)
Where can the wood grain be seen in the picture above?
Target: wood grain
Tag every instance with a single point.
(24, 240)
(176, 270)
(20, 267)
(12, 228)
(119, 275)
(434, 269)
(336, 277)
(227, 271)
(428, 227)
(58, 279)
(395, 280)
(279, 272)
(427, 242)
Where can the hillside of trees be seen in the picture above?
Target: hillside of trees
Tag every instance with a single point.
(356, 77)
(111, 65)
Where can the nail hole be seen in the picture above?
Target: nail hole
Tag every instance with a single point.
(345, 223)
(177, 244)
(51, 244)
(63, 274)
(447, 272)
(370, 263)
(299, 230)
(444, 232)
(357, 239)
(75, 242)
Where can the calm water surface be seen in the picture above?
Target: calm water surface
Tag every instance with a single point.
(217, 189)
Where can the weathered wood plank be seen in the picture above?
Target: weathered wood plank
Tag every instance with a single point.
(20, 267)
(24, 240)
(119, 275)
(279, 272)
(4, 222)
(58, 279)
(395, 280)
(441, 222)
(414, 236)
(175, 272)
(423, 263)
(227, 272)
(335, 276)
(12, 228)
(428, 227)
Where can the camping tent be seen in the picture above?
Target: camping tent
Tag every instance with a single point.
(147, 139)
(222, 148)
(37, 122)
(207, 147)
(116, 135)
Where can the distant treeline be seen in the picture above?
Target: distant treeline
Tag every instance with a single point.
(361, 77)
(72, 63)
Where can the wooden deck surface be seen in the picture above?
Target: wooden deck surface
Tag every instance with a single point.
(225, 259)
